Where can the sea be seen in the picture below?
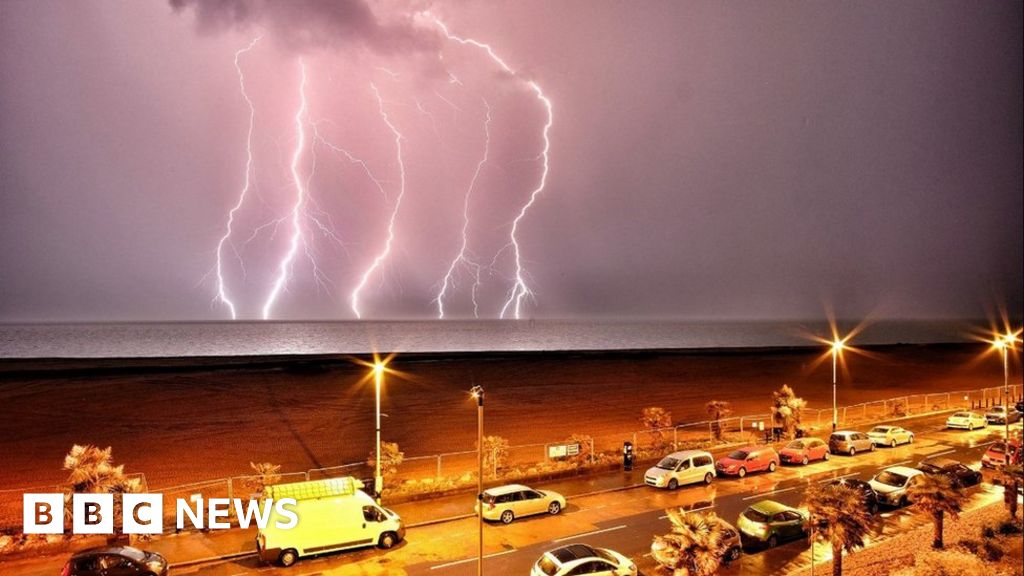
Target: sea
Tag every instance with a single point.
(225, 339)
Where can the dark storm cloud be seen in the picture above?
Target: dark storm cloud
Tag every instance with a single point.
(314, 23)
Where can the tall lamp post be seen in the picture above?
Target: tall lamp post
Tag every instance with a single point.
(378, 379)
(478, 393)
(837, 348)
(1004, 344)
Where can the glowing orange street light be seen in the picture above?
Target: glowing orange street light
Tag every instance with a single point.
(379, 368)
(837, 349)
(1004, 343)
(477, 393)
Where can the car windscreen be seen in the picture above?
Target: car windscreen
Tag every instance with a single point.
(997, 448)
(796, 445)
(962, 415)
(133, 553)
(547, 565)
(601, 553)
(880, 430)
(668, 463)
(754, 515)
(929, 467)
(838, 437)
(738, 455)
(892, 478)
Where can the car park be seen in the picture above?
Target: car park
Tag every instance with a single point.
(867, 492)
(995, 456)
(850, 442)
(583, 559)
(678, 468)
(891, 436)
(749, 459)
(999, 414)
(966, 420)
(506, 503)
(890, 485)
(769, 522)
(804, 450)
(957, 472)
(115, 561)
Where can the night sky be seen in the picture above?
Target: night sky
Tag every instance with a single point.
(707, 160)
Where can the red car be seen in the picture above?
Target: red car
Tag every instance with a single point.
(749, 459)
(804, 450)
(995, 456)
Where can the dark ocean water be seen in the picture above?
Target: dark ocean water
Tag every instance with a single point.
(122, 340)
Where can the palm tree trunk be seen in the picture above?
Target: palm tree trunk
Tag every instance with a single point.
(837, 559)
(1012, 499)
(937, 518)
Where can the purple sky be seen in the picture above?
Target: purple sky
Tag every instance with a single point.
(711, 160)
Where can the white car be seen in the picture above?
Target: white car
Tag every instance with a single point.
(583, 559)
(686, 467)
(890, 436)
(506, 503)
(966, 421)
(890, 485)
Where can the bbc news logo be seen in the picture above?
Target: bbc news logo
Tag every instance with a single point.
(144, 513)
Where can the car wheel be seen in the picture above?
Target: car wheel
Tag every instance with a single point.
(873, 508)
(387, 540)
(733, 554)
(853, 451)
(288, 558)
(708, 478)
(826, 456)
(904, 502)
(893, 443)
(970, 427)
(873, 447)
(805, 461)
(911, 439)
(771, 466)
(773, 541)
(507, 517)
(742, 472)
(673, 484)
(554, 508)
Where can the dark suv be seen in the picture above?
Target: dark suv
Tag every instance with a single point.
(956, 472)
(115, 561)
(867, 493)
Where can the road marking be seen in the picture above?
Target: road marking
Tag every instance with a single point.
(950, 451)
(620, 527)
(457, 562)
(834, 478)
(688, 511)
(901, 463)
(770, 493)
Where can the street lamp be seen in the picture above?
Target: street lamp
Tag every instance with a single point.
(478, 393)
(1005, 343)
(837, 348)
(378, 379)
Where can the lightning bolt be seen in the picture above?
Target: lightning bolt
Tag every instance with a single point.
(222, 292)
(284, 269)
(461, 256)
(520, 289)
(379, 259)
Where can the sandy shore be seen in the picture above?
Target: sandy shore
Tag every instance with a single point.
(192, 421)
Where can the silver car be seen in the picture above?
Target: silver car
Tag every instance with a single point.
(891, 436)
(1000, 414)
(850, 442)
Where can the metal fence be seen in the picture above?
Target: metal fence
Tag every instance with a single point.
(463, 465)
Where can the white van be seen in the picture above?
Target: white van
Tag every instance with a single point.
(333, 515)
(680, 468)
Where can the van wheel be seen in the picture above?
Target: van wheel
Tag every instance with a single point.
(288, 558)
(853, 451)
(742, 472)
(773, 541)
(771, 465)
(507, 517)
(554, 508)
(673, 484)
(387, 540)
(708, 478)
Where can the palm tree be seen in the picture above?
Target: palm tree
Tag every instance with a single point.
(787, 409)
(266, 474)
(718, 409)
(839, 516)
(697, 545)
(91, 470)
(937, 496)
(1012, 476)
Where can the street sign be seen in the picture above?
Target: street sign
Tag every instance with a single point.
(563, 450)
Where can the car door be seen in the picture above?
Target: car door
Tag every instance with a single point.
(111, 565)
(533, 502)
(790, 524)
(87, 566)
(593, 567)
(684, 472)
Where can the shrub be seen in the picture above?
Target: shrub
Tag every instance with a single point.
(1009, 527)
(948, 563)
(654, 419)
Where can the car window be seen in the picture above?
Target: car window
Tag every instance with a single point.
(110, 562)
(753, 456)
(531, 495)
(547, 565)
(370, 514)
(790, 515)
(684, 465)
(892, 478)
(702, 461)
(668, 463)
(754, 515)
(738, 455)
(518, 496)
(796, 445)
(88, 564)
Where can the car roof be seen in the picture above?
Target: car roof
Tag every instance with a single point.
(940, 462)
(506, 489)
(769, 507)
(903, 470)
(99, 550)
(885, 427)
(572, 552)
(687, 454)
(844, 432)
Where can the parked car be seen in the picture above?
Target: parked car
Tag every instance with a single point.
(890, 485)
(957, 472)
(506, 503)
(731, 536)
(768, 522)
(999, 414)
(890, 436)
(966, 420)
(804, 450)
(866, 491)
(850, 442)
(679, 468)
(1020, 406)
(750, 459)
(995, 456)
(583, 559)
(115, 561)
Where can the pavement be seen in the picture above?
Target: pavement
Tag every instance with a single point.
(609, 509)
